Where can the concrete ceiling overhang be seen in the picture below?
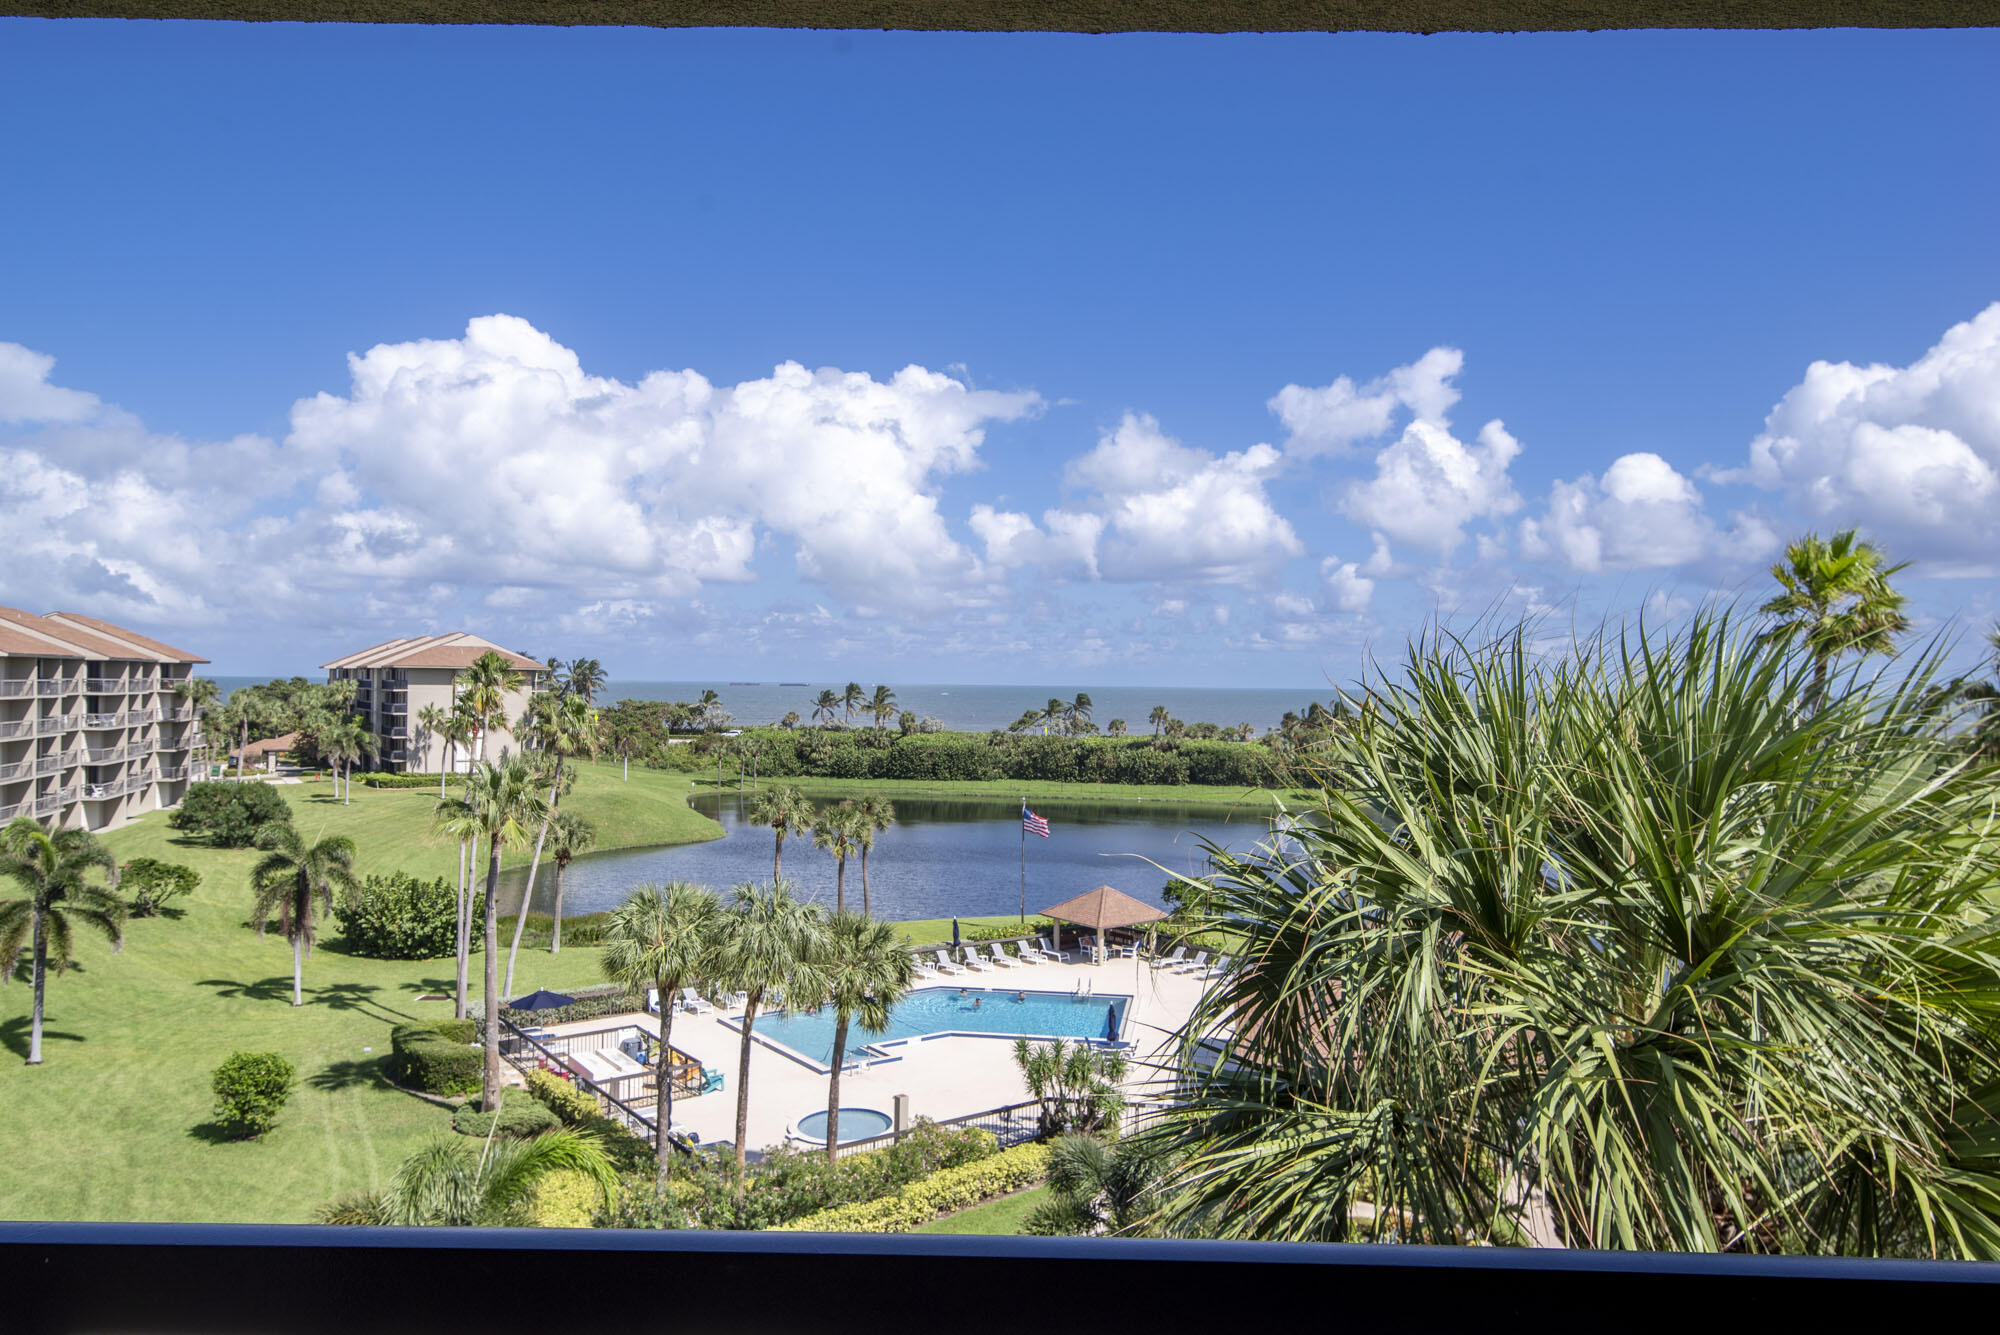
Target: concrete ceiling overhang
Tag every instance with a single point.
(1094, 16)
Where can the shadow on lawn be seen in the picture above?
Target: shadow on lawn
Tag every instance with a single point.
(339, 996)
(365, 1071)
(14, 1036)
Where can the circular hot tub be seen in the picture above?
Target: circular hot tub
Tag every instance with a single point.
(855, 1124)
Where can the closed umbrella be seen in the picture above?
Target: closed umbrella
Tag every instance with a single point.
(1111, 1023)
(954, 938)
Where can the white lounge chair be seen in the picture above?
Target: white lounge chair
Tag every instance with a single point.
(924, 968)
(694, 1003)
(1199, 964)
(975, 960)
(1048, 952)
(1003, 959)
(1219, 968)
(1170, 961)
(944, 963)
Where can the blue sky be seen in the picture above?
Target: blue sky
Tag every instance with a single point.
(1209, 335)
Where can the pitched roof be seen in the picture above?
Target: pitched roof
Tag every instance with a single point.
(454, 649)
(72, 635)
(1104, 907)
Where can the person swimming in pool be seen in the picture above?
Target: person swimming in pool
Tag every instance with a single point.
(962, 991)
(1020, 996)
(975, 1002)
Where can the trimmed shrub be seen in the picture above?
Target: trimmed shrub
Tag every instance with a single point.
(570, 1105)
(229, 815)
(250, 1089)
(940, 1193)
(413, 780)
(565, 1198)
(398, 917)
(457, 1031)
(423, 1057)
(152, 883)
(1006, 931)
(520, 1118)
(589, 1005)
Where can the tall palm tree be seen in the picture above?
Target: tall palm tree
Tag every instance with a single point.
(1054, 715)
(837, 829)
(50, 869)
(203, 694)
(1631, 950)
(501, 803)
(867, 970)
(825, 706)
(786, 810)
(875, 814)
(456, 818)
(570, 835)
(432, 720)
(555, 725)
(246, 708)
(1158, 718)
(342, 743)
(882, 705)
(852, 699)
(1076, 712)
(663, 937)
(771, 944)
(1836, 600)
(707, 708)
(461, 1183)
(457, 730)
(295, 880)
(585, 677)
(484, 687)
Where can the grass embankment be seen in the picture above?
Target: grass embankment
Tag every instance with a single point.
(1185, 794)
(1002, 1216)
(117, 1123)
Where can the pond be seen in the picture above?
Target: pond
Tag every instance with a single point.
(943, 857)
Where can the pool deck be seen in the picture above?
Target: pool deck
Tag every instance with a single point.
(944, 1077)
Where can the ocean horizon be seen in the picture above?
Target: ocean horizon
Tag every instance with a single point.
(964, 707)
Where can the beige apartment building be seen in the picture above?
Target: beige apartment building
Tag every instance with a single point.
(396, 679)
(91, 734)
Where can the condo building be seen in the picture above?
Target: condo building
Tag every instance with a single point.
(91, 731)
(395, 680)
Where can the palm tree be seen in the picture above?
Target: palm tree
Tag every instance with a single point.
(882, 705)
(770, 944)
(1836, 600)
(484, 688)
(556, 725)
(50, 869)
(500, 803)
(867, 970)
(838, 831)
(432, 720)
(246, 708)
(1055, 714)
(202, 693)
(825, 705)
(852, 699)
(342, 743)
(569, 835)
(1115, 728)
(790, 720)
(707, 708)
(875, 814)
(460, 1183)
(1631, 950)
(663, 937)
(1076, 712)
(456, 818)
(1158, 718)
(1097, 1188)
(296, 880)
(584, 677)
(787, 811)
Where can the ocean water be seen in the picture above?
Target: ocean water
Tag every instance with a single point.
(964, 708)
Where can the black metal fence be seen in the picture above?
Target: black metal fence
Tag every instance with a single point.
(532, 1051)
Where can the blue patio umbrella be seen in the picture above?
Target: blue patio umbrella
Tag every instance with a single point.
(1111, 1023)
(541, 1000)
(954, 937)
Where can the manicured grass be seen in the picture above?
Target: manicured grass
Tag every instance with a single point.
(1185, 794)
(1002, 1216)
(928, 931)
(116, 1123)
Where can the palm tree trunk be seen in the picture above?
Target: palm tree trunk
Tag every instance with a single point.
(298, 969)
(777, 854)
(742, 1084)
(464, 925)
(864, 882)
(555, 931)
(663, 1100)
(839, 884)
(489, 1097)
(41, 973)
(833, 1088)
(534, 867)
(242, 746)
(450, 749)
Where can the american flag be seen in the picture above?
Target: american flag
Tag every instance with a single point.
(1033, 824)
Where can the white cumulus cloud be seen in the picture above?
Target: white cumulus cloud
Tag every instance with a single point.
(1429, 485)
(1332, 419)
(1641, 515)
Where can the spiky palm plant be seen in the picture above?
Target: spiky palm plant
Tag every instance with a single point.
(1627, 950)
(1076, 1084)
(866, 971)
(771, 944)
(51, 870)
(1098, 1187)
(663, 937)
(295, 880)
(463, 1183)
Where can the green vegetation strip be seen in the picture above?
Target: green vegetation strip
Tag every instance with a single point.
(941, 1192)
(1180, 795)
(995, 1218)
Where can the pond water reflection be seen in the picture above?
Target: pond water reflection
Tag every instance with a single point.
(943, 857)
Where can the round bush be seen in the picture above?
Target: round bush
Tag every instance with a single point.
(250, 1088)
(520, 1117)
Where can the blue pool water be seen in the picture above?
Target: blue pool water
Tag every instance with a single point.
(855, 1124)
(935, 1010)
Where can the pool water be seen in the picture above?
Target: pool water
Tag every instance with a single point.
(855, 1124)
(938, 1010)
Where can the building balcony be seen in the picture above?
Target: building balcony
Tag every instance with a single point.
(103, 721)
(55, 686)
(399, 731)
(52, 764)
(20, 769)
(18, 809)
(172, 773)
(150, 714)
(109, 685)
(104, 755)
(143, 746)
(56, 723)
(18, 728)
(15, 687)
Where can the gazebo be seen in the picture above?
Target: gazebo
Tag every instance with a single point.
(1101, 909)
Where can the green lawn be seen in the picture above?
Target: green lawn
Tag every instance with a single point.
(116, 1123)
(1004, 1215)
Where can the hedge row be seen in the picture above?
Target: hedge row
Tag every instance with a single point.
(579, 1111)
(411, 780)
(433, 1056)
(589, 1005)
(940, 1193)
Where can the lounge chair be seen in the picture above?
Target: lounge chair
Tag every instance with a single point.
(1219, 968)
(1002, 958)
(1048, 952)
(1170, 961)
(1199, 964)
(1128, 951)
(694, 1003)
(711, 1080)
(975, 960)
(945, 965)
(924, 968)
(1035, 954)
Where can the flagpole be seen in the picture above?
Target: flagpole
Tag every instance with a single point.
(1024, 860)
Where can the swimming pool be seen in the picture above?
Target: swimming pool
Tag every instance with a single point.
(1000, 1012)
